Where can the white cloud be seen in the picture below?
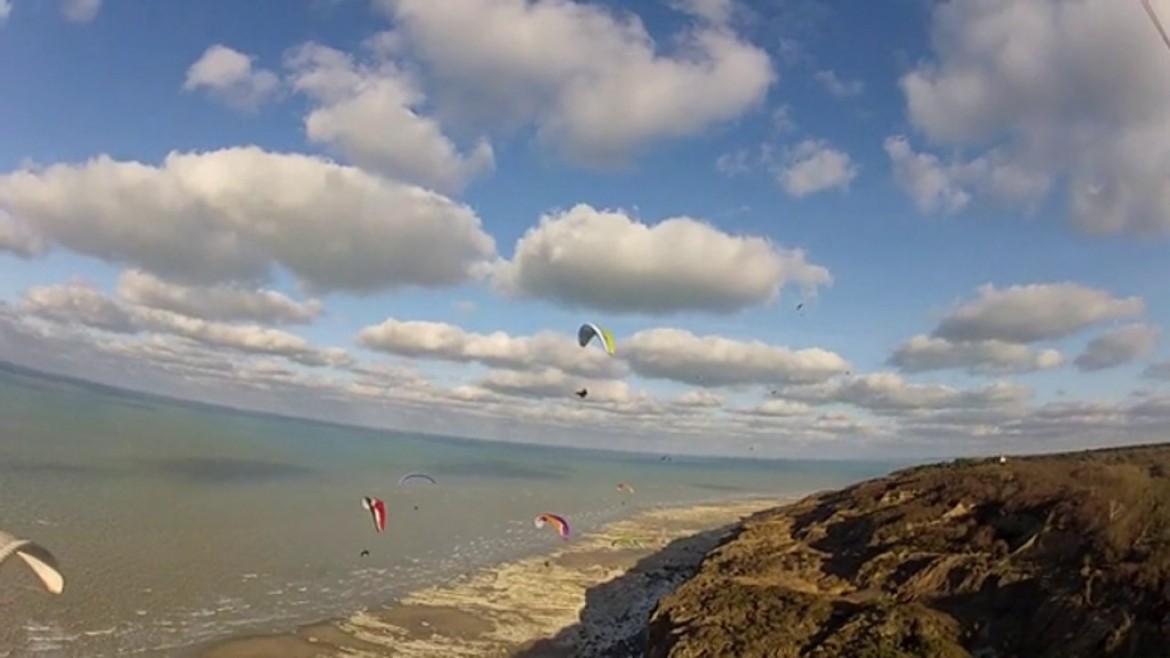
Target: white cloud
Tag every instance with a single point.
(79, 304)
(80, 11)
(980, 357)
(221, 302)
(595, 84)
(682, 356)
(864, 413)
(733, 163)
(813, 166)
(782, 121)
(828, 79)
(702, 398)
(18, 239)
(1069, 90)
(553, 383)
(231, 76)
(887, 393)
(370, 114)
(439, 340)
(780, 408)
(949, 188)
(230, 215)
(1035, 312)
(1118, 347)
(607, 260)
(5, 10)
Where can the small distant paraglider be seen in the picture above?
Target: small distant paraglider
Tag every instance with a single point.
(800, 306)
(626, 487)
(589, 331)
(38, 558)
(377, 510)
(582, 393)
(556, 521)
(364, 553)
(416, 477)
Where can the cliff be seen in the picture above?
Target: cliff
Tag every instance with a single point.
(1057, 555)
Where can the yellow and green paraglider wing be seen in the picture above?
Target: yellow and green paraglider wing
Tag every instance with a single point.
(589, 330)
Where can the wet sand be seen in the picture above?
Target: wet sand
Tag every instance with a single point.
(588, 596)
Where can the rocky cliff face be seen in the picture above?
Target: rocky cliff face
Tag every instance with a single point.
(1060, 555)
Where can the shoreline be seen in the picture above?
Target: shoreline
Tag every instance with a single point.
(579, 596)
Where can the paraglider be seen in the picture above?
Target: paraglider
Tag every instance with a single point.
(557, 521)
(409, 477)
(364, 553)
(800, 306)
(1157, 23)
(377, 510)
(625, 486)
(589, 331)
(36, 557)
(582, 393)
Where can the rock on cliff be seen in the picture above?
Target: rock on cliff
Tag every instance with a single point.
(1056, 555)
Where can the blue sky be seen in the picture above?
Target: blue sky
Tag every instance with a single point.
(880, 162)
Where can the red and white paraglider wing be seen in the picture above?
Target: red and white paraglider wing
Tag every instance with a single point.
(377, 510)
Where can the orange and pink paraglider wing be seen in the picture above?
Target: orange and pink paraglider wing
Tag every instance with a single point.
(556, 521)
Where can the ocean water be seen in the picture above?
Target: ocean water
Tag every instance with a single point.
(176, 524)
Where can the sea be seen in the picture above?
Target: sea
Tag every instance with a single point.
(178, 523)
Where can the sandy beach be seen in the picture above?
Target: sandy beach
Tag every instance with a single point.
(589, 596)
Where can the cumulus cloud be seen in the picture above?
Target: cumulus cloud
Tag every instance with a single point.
(80, 11)
(831, 83)
(220, 302)
(947, 188)
(596, 85)
(980, 357)
(887, 393)
(779, 408)
(782, 120)
(1118, 347)
(700, 398)
(680, 355)
(1035, 312)
(369, 113)
(553, 383)
(1069, 91)
(991, 334)
(18, 239)
(736, 162)
(79, 304)
(231, 77)
(609, 261)
(232, 214)
(439, 340)
(813, 166)
(5, 11)
(82, 305)
(853, 413)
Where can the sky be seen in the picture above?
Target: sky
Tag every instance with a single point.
(841, 229)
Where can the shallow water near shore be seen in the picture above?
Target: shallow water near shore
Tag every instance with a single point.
(178, 524)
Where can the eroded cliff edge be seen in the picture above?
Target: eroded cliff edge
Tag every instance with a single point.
(1057, 555)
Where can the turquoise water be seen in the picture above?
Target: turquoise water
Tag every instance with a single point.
(178, 523)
